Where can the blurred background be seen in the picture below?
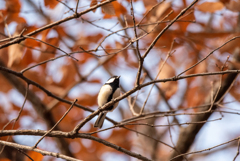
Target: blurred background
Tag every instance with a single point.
(99, 40)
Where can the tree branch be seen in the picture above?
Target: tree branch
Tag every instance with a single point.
(43, 152)
(60, 134)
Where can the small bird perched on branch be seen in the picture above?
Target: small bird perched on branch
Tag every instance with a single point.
(108, 91)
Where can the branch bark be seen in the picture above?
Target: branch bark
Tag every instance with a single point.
(43, 152)
(60, 134)
(39, 107)
(187, 135)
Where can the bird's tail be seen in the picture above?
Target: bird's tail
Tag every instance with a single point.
(100, 120)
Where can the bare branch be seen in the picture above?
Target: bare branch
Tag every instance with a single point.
(237, 151)
(167, 27)
(43, 152)
(35, 146)
(29, 37)
(18, 39)
(61, 134)
(205, 149)
(209, 54)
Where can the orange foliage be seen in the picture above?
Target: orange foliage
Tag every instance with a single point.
(50, 3)
(210, 6)
(114, 9)
(203, 28)
(4, 159)
(34, 155)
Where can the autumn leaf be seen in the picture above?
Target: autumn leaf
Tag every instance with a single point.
(34, 155)
(210, 7)
(93, 3)
(233, 5)
(170, 88)
(119, 8)
(15, 53)
(108, 44)
(13, 6)
(108, 9)
(50, 3)
(7, 86)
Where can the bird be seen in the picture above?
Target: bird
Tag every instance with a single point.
(108, 91)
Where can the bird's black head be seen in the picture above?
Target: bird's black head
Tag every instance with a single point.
(114, 80)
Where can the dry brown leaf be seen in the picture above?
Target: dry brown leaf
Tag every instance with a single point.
(84, 41)
(27, 58)
(156, 14)
(108, 9)
(15, 53)
(116, 138)
(192, 97)
(201, 68)
(55, 89)
(119, 8)
(68, 75)
(14, 6)
(50, 3)
(36, 76)
(7, 86)
(34, 155)
(93, 3)
(161, 9)
(233, 5)
(229, 47)
(234, 91)
(149, 3)
(210, 6)
(88, 100)
(169, 88)
(235, 64)
(94, 81)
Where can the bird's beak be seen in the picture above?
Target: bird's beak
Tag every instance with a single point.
(118, 77)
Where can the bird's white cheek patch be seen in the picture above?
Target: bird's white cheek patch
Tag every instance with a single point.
(110, 80)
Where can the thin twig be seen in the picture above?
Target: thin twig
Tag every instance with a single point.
(140, 59)
(65, 5)
(167, 27)
(170, 133)
(151, 138)
(21, 34)
(76, 8)
(16, 119)
(237, 150)
(186, 123)
(43, 152)
(19, 150)
(6, 26)
(20, 75)
(18, 39)
(60, 134)
(35, 146)
(205, 149)
(132, 104)
(209, 55)
(149, 11)
(29, 37)
(160, 69)
(83, 78)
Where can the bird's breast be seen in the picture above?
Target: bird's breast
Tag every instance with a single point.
(104, 94)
